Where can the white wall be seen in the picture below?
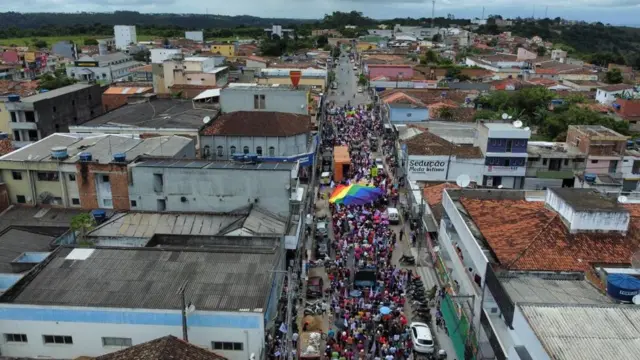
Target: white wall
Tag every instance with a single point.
(158, 56)
(194, 35)
(124, 35)
(434, 168)
(283, 146)
(592, 220)
(87, 337)
(527, 337)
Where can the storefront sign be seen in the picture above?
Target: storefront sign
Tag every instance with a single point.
(86, 63)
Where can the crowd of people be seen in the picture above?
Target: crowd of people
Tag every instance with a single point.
(366, 289)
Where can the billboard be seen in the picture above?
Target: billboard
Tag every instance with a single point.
(429, 168)
(86, 63)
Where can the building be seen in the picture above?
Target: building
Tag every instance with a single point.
(264, 133)
(402, 108)
(316, 78)
(389, 71)
(233, 291)
(271, 98)
(504, 250)
(197, 36)
(434, 159)
(224, 49)
(125, 35)
(82, 171)
(212, 186)
(142, 74)
(149, 116)
(103, 69)
(10, 87)
(626, 109)
(604, 147)
(66, 49)
(164, 348)
(38, 116)
(200, 71)
(115, 97)
(552, 164)
(608, 94)
(277, 30)
(256, 63)
(158, 56)
(505, 150)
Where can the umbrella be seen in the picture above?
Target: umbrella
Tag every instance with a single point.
(354, 194)
(385, 310)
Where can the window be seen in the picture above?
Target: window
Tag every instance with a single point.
(47, 176)
(220, 151)
(20, 199)
(33, 135)
(13, 117)
(162, 204)
(134, 203)
(73, 103)
(263, 102)
(272, 151)
(72, 177)
(116, 341)
(594, 161)
(259, 150)
(107, 203)
(105, 178)
(544, 161)
(566, 162)
(15, 338)
(256, 102)
(230, 346)
(57, 339)
(232, 150)
(206, 151)
(29, 116)
(75, 201)
(245, 149)
(158, 183)
(16, 135)
(17, 175)
(57, 128)
(54, 109)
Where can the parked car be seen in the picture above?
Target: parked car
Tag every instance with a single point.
(422, 338)
(360, 89)
(322, 228)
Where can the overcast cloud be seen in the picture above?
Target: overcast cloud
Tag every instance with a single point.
(608, 11)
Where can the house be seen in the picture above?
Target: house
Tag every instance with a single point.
(326, 32)
(82, 171)
(10, 87)
(628, 110)
(270, 98)
(277, 30)
(224, 49)
(196, 36)
(256, 62)
(316, 78)
(38, 116)
(505, 149)
(552, 165)
(400, 107)
(117, 96)
(264, 133)
(164, 348)
(608, 94)
(104, 69)
(198, 71)
(583, 85)
(364, 46)
(142, 74)
(604, 147)
(390, 71)
(158, 56)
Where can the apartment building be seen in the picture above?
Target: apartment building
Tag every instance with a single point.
(505, 149)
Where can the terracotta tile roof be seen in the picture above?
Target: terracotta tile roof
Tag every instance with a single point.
(401, 98)
(433, 194)
(616, 87)
(430, 144)
(257, 58)
(144, 68)
(259, 123)
(165, 348)
(402, 66)
(430, 96)
(22, 88)
(5, 146)
(628, 108)
(543, 82)
(524, 235)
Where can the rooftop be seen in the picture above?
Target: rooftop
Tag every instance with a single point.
(48, 221)
(164, 348)
(430, 144)
(102, 147)
(597, 131)
(217, 69)
(154, 113)
(121, 90)
(541, 149)
(117, 56)
(551, 289)
(430, 96)
(433, 194)
(55, 93)
(144, 68)
(149, 279)
(616, 87)
(259, 123)
(22, 88)
(588, 200)
(206, 164)
(15, 241)
(567, 332)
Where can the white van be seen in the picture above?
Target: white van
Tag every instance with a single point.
(394, 216)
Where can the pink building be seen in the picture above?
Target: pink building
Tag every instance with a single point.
(10, 57)
(389, 71)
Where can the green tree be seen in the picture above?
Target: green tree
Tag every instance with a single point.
(437, 38)
(430, 57)
(322, 40)
(541, 50)
(40, 44)
(50, 82)
(362, 80)
(485, 114)
(90, 41)
(144, 56)
(81, 224)
(446, 113)
(452, 73)
(613, 76)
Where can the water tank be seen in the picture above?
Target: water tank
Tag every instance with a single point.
(119, 157)
(99, 215)
(85, 156)
(589, 177)
(59, 152)
(13, 98)
(4, 136)
(237, 157)
(622, 287)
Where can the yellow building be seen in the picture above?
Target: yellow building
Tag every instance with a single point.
(224, 49)
(310, 77)
(4, 118)
(364, 46)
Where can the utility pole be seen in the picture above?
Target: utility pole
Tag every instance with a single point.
(482, 13)
(433, 13)
(181, 291)
(546, 10)
(290, 295)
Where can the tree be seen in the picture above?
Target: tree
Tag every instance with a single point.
(40, 44)
(541, 50)
(446, 113)
(90, 41)
(452, 73)
(430, 57)
(362, 80)
(82, 224)
(322, 40)
(50, 82)
(613, 76)
(144, 55)
(437, 38)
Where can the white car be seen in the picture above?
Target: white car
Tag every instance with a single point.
(421, 338)
(359, 89)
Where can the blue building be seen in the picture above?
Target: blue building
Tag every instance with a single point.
(505, 148)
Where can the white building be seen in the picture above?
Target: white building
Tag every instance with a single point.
(125, 35)
(505, 150)
(197, 36)
(103, 69)
(158, 56)
(127, 297)
(279, 31)
(608, 94)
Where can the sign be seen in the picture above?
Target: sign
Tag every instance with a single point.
(295, 76)
(503, 169)
(86, 63)
(427, 168)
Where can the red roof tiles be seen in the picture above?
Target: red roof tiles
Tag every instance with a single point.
(259, 123)
(433, 194)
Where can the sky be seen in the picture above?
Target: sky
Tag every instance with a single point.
(620, 12)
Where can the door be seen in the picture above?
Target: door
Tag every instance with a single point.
(103, 189)
(613, 166)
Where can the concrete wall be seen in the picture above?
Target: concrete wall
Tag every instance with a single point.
(210, 190)
(5, 118)
(434, 168)
(114, 101)
(88, 325)
(283, 146)
(403, 114)
(292, 101)
(591, 220)
(527, 337)
(320, 82)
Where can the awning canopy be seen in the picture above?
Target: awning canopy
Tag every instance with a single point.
(208, 94)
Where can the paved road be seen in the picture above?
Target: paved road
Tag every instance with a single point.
(347, 83)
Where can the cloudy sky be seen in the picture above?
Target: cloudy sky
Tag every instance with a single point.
(607, 11)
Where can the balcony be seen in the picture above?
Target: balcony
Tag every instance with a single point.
(491, 170)
(23, 125)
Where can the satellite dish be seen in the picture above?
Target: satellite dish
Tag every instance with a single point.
(500, 186)
(206, 119)
(636, 300)
(517, 124)
(505, 116)
(527, 128)
(463, 180)
(622, 199)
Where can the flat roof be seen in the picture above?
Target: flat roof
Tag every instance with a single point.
(150, 279)
(53, 221)
(429, 144)
(597, 130)
(217, 70)
(15, 241)
(542, 149)
(588, 200)
(155, 113)
(574, 332)
(55, 93)
(553, 289)
(205, 164)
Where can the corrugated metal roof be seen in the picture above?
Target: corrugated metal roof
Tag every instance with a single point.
(586, 332)
(119, 90)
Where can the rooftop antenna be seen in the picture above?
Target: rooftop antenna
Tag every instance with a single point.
(206, 119)
(546, 10)
(463, 180)
(527, 128)
(622, 199)
(433, 13)
(505, 116)
(517, 124)
(482, 13)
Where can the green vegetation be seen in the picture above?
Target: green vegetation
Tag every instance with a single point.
(82, 224)
(276, 46)
(52, 82)
(532, 107)
(50, 40)
(613, 76)
(362, 80)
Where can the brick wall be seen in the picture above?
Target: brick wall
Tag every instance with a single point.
(118, 177)
(577, 138)
(4, 197)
